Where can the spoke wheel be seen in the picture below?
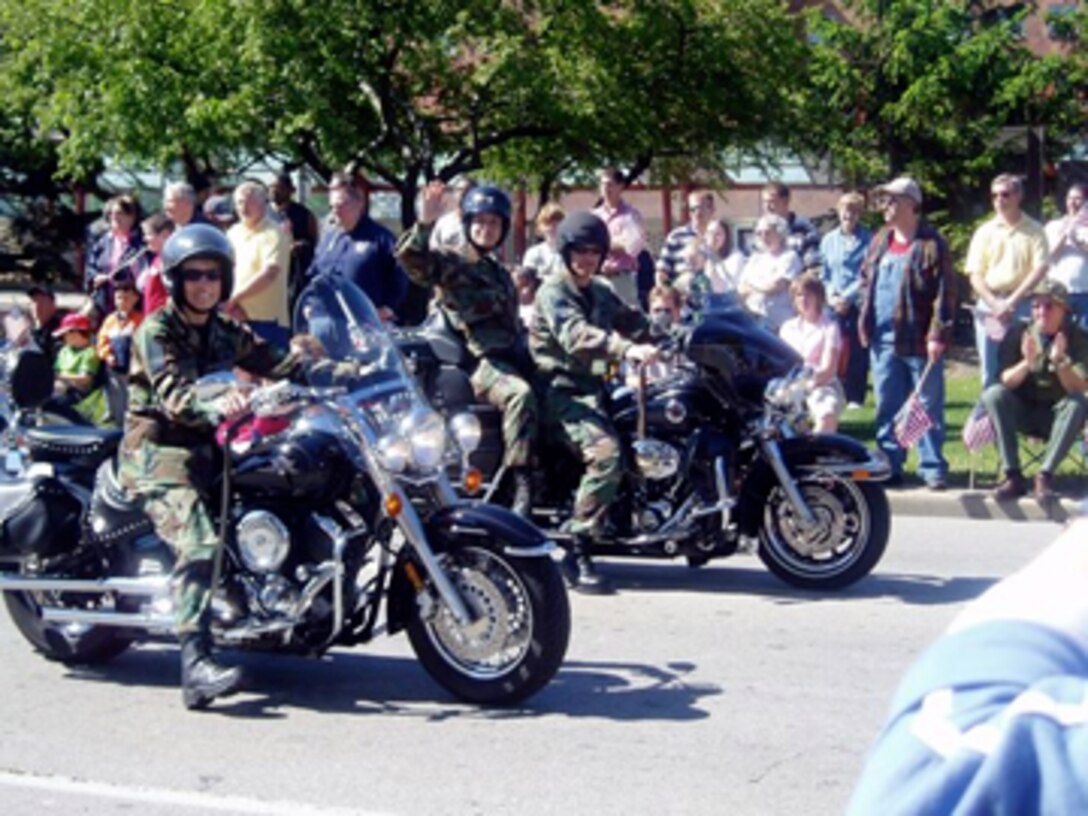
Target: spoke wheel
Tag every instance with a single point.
(846, 541)
(517, 637)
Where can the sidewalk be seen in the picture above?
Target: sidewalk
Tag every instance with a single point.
(978, 504)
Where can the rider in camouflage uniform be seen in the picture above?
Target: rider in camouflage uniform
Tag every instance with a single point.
(580, 329)
(477, 296)
(168, 456)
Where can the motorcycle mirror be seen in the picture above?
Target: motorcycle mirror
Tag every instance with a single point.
(32, 377)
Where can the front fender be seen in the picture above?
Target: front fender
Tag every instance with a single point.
(835, 453)
(467, 522)
(826, 453)
(458, 525)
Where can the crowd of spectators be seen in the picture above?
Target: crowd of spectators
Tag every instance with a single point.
(852, 301)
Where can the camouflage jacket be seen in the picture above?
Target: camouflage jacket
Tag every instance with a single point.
(169, 355)
(577, 333)
(477, 297)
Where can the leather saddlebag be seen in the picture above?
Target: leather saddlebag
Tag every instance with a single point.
(42, 521)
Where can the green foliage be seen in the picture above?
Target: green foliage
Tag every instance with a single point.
(927, 88)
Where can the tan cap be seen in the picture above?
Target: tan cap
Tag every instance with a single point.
(1055, 290)
(904, 186)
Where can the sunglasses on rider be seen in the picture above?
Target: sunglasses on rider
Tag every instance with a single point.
(197, 275)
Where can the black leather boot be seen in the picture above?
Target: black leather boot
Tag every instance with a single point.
(523, 492)
(582, 573)
(202, 679)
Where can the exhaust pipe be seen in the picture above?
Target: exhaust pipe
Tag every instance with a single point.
(149, 586)
(130, 620)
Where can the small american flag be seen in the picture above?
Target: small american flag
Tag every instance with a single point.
(978, 430)
(912, 422)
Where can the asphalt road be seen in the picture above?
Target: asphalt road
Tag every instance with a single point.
(695, 692)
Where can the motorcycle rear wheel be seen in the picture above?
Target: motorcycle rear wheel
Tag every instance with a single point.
(83, 646)
(519, 634)
(853, 522)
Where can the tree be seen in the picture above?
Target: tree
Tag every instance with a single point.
(930, 89)
(406, 91)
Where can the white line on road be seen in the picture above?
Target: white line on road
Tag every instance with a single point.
(163, 796)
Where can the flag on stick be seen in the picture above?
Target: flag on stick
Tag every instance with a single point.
(912, 422)
(978, 430)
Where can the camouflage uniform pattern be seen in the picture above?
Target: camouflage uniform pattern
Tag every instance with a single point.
(480, 301)
(168, 450)
(576, 336)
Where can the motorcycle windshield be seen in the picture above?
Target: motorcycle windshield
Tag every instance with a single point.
(357, 349)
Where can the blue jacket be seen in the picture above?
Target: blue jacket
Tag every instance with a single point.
(366, 257)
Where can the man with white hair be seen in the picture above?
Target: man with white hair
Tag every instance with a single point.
(179, 204)
(262, 258)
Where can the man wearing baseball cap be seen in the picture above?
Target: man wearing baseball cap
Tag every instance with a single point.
(1041, 390)
(905, 320)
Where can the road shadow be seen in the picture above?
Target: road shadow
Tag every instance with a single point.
(748, 578)
(359, 684)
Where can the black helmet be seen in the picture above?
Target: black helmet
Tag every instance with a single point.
(582, 229)
(196, 241)
(485, 199)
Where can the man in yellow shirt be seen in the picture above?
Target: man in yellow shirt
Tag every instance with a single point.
(1006, 260)
(262, 260)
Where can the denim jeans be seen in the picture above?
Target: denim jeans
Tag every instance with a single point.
(894, 378)
(987, 349)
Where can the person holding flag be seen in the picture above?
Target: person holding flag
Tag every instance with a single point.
(905, 320)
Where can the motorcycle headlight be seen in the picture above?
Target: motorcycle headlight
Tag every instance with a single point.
(394, 452)
(467, 431)
(426, 433)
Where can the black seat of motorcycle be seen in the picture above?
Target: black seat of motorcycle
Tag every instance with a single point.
(445, 341)
(79, 445)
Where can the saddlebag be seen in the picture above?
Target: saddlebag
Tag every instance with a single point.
(40, 519)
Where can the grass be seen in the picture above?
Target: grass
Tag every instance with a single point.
(962, 388)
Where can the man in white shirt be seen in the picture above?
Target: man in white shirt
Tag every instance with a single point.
(1067, 238)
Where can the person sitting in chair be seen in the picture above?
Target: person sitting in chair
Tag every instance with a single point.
(1041, 390)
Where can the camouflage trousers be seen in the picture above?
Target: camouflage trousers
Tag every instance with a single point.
(579, 423)
(160, 478)
(502, 385)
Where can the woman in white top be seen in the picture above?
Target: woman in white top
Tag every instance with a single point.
(765, 281)
(816, 337)
(724, 264)
(543, 257)
(1067, 238)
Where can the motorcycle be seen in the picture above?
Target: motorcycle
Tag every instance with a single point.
(716, 456)
(334, 498)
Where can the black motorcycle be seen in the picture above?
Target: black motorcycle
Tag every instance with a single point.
(334, 497)
(717, 456)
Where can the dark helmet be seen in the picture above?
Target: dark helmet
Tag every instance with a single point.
(583, 229)
(485, 199)
(196, 241)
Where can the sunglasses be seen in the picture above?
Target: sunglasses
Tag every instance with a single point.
(1001, 194)
(197, 275)
(1044, 305)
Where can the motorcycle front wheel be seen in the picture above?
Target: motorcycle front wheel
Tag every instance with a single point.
(71, 644)
(848, 539)
(519, 632)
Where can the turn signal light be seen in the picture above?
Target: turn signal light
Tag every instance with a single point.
(393, 505)
(860, 475)
(473, 480)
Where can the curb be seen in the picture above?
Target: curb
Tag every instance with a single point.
(978, 504)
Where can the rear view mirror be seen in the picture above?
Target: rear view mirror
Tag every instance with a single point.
(30, 377)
